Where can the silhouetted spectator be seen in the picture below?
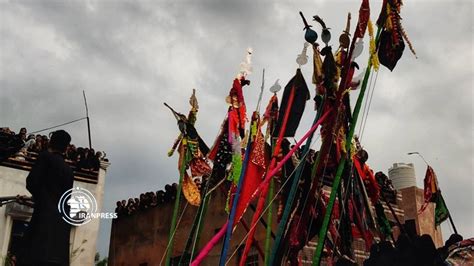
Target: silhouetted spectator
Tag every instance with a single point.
(154, 200)
(130, 206)
(344, 261)
(444, 251)
(119, 208)
(45, 142)
(405, 251)
(160, 196)
(426, 251)
(136, 202)
(30, 141)
(381, 253)
(81, 160)
(38, 146)
(47, 239)
(95, 161)
(22, 134)
(170, 193)
(142, 202)
(71, 153)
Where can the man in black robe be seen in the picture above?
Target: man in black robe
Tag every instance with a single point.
(47, 239)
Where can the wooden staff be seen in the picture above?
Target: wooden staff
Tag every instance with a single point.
(291, 196)
(173, 227)
(206, 249)
(230, 224)
(263, 193)
(342, 163)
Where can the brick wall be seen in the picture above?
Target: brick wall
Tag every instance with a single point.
(142, 237)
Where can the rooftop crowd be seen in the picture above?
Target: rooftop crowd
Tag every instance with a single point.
(146, 200)
(28, 146)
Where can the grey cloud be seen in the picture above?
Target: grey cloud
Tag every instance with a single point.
(131, 56)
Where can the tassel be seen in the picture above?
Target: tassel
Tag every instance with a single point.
(236, 168)
(318, 66)
(373, 50)
(405, 36)
(388, 22)
(398, 4)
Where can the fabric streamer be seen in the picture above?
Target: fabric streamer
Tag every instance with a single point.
(286, 213)
(340, 215)
(286, 106)
(205, 251)
(210, 245)
(235, 200)
(253, 176)
(337, 178)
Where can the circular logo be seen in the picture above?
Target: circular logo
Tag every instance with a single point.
(81, 204)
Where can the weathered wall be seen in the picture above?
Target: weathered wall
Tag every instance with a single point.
(13, 182)
(85, 236)
(143, 236)
(412, 201)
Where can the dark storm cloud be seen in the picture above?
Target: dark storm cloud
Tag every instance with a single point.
(131, 56)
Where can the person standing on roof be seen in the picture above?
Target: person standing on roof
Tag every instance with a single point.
(47, 239)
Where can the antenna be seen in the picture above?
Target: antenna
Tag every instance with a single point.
(87, 117)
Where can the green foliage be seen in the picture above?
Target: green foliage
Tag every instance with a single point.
(98, 261)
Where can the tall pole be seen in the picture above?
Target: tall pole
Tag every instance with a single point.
(216, 238)
(268, 232)
(264, 191)
(87, 117)
(173, 227)
(235, 200)
(196, 226)
(395, 216)
(342, 163)
(291, 195)
(449, 213)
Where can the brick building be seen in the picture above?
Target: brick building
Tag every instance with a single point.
(141, 238)
(358, 245)
(404, 180)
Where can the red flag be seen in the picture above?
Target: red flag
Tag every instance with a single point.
(364, 16)
(431, 187)
(253, 176)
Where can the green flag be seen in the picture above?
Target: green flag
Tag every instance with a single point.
(382, 220)
(441, 211)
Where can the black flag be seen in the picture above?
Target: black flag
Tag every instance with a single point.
(297, 85)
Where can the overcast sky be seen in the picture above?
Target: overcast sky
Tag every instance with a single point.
(131, 56)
